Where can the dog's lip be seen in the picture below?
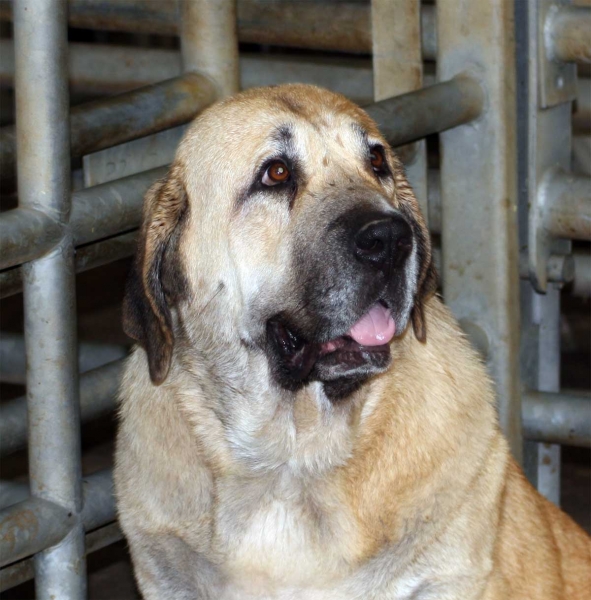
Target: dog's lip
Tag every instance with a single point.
(300, 355)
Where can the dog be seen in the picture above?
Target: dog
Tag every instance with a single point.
(302, 418)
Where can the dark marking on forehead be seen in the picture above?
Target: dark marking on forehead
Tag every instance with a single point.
(283, 136)
(360, 132)
(326, 161)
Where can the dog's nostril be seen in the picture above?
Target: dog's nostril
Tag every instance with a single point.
(383, 241)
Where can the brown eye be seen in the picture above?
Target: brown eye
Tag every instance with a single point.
(276, 173)
(376, 157)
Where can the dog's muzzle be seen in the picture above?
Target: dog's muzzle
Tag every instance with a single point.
(352, 301)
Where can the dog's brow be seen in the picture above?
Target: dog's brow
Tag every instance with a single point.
(360, 133)
(283, 137)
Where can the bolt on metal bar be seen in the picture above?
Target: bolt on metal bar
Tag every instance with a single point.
(32, 525)
(43, 170)
(87, 257)
(332, 26)
(567, 205)
(22, 571)
(98, 389)
(111, 121)
(557, 418)
(567, 34)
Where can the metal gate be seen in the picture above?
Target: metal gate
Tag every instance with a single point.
(503, 203)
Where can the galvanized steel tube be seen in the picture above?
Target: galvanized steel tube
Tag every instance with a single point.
(31, 526)
(209, 43)
(98, 389)
(42, 117)
(111, 121)
(566, 199)
(557, 418)
(433, 109)
(332, 26)
(567, 33)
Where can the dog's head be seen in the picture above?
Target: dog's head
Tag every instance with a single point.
(286, 225)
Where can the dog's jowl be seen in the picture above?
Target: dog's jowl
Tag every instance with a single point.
(302, 418)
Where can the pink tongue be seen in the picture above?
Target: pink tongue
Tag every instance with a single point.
(375, 328)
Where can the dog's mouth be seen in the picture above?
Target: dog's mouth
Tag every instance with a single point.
(362, 351)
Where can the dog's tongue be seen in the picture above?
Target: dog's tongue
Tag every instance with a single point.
(375, 328)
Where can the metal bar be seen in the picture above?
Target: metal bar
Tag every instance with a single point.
(32, 525)
(23, 570)
(98, 390)
(106, 69)
(478, 193)
(557, 418)
(87, 257)
(544, 142)
(432, 109)
(398, 69)
(582, 281)
(105, 210)
(25, 234)
(91, 355)
(331, 26)
(567, 205)
(567, 34)
(125, 117)
(209, 42)
(111, 208)
(42, 117)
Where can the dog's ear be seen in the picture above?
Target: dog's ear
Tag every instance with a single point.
(427, 281)
(427, 287)
(156, 278)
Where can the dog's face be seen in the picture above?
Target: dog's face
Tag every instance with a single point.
(287, 211)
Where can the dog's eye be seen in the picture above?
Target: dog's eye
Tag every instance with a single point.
(276, 173)
(376, 157)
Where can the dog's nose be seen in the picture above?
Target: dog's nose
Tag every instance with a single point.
(383, 241)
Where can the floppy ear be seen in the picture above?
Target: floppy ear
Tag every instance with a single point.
(156, 278)
(427, 287)
(427, 282)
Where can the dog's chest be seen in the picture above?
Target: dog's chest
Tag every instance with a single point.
(280, 534)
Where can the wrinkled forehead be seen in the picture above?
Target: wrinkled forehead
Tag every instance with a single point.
(252, 129)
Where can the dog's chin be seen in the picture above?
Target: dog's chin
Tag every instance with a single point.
(342, 364)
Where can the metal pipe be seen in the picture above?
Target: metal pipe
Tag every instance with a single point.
(557, 418)
(209, 43)
(87, 257)
(567, 34)
(105, 210)
(34, 524)
(91, 355)
(98, 390)
(106, 69)
(31, 526)
(25, 234)
(111, 208)
(433, 109)
(331, 26)
(22, 571)
(111, 121)
(566, 201)
(43, 170)
(582, 280)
